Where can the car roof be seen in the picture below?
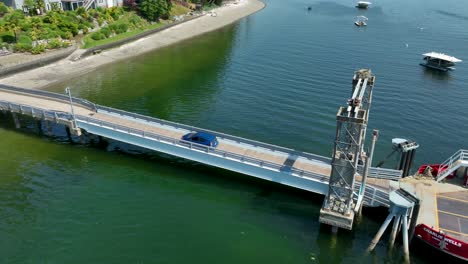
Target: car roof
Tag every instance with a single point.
(206, 136)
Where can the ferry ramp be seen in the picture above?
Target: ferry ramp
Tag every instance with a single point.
(286, 166)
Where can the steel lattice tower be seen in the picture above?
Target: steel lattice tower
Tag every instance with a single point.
(337, 209)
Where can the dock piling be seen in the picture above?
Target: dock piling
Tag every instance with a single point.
(16, 120)
(380, 232)
(396, 223)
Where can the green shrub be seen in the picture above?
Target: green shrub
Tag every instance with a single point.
(25, 25)
(122, 28)
(54, 44)
(3, 9)
(24, 39)
(38, 49)
(106, 31)
(92, 13)
(7, 37)
(21, 47)
(65, 44)
(97, 36)
(68, 27)
(81, 11)
(114, 27)
(100, 21)
(66, 35)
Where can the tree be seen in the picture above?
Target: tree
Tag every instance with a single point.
(29, 4)
(12, 22)
(153, 9)
(3, 9)
(130, 4)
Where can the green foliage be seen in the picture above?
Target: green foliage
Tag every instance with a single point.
(38, 49)
(97, 36)
(93, 13)
(3, 9)
(65, 34)
(154, 9)
(8, 37)
(100, 21)
(106, 32)
(134, 21)
(39, 4)
(121, 28)
(81, 11)
(54, 44)
(24, 43)
(29, 4)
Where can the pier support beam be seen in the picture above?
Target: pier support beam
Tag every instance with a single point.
(48, 128)
(405, 239)
(16, 120)
(380, 232)
(401, 207)
(396, 223)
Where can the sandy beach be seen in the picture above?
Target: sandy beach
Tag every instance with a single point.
(66, 68)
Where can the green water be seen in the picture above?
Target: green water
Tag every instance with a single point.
(278, 76)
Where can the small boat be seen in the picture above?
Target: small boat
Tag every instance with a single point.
(439, 61)
(363, 4)
(361, 21)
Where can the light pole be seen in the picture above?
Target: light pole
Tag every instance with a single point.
(67, 91)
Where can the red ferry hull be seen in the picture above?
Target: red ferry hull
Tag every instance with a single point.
(442, 241)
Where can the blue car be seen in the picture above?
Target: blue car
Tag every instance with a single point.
(201, 138)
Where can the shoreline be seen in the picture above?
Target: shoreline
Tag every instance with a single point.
(66, 68)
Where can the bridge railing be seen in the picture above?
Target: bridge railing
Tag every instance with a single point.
(452, 163)
(238, 140)
(380, 173)
(57, 96)
(199, 147)
(372, 194)
(35, 112)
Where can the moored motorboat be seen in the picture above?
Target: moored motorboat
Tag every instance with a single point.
(439, 61)
(363, 4)
(361, 21)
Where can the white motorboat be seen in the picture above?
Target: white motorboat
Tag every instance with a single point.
(439, 61)
(361, 21)
(363, 4)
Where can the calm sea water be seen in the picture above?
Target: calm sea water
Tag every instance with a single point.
(278, 76)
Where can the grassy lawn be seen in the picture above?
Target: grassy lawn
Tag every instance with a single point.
(91, 43)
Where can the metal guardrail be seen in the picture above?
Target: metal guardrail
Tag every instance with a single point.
(239, 140)
(61, 97)
(380, 173)
(453, 161)
(199, 147)
(372, 196)
(35, 112)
